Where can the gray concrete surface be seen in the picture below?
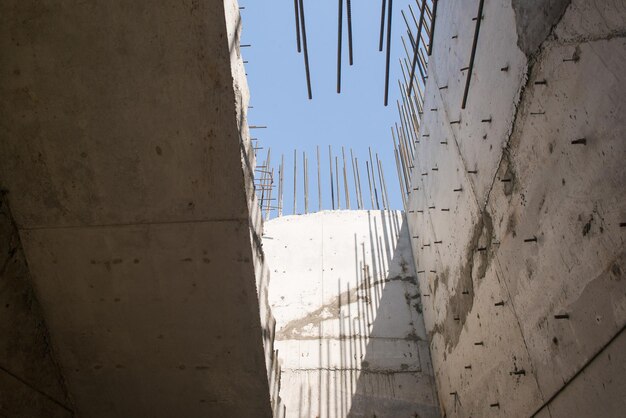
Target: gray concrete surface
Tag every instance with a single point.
(129, 177)
(512, 323)
(349, 330)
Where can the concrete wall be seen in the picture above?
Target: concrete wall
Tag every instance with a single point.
(30, 381)
(349, 330)
(519, 325)
(128, 167)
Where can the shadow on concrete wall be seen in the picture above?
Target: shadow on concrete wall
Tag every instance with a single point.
(395, 378)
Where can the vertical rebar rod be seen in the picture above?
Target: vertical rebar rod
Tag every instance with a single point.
(339, 42)
(330, 162)
(388, 58)
(417, 46)
(382, 26)
(470, 67)
(349, 10)
(356, 186)
(403, 166)
(297, 10)
(295, 177)
(306, 50)
(281, 177)
(345, 179)
(374, 179)
(337, 181)
(400, 178)
(369, 181)
(358, 180)
(305, 181)
(268, 210)
(380, 182)
(319, 183)
(384, 184)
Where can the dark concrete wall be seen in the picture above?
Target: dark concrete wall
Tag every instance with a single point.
(123, 136)
(30, 381)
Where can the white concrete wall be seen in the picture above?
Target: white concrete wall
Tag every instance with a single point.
(349, 329)
(546, 73)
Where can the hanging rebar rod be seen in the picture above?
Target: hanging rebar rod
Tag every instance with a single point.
(382, 26)
(404, 159)
(349, 9)
(332, 186)
(339, 42)
(345, 179)
(319, 183)
(306, 50)
(295, 177)
(358, 178)
(479, 18)
(296, 9)
(415, 51)
(388, 58)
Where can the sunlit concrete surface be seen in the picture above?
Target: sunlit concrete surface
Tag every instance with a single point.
(518, 207)
(349, 329)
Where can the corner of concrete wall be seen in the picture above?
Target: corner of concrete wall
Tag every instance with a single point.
(31, 384)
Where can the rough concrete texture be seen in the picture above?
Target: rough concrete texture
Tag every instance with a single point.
(129, 178)
(349, 329)
(516, 324)
(30, 381)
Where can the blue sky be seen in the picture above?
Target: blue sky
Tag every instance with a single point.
(356, 118)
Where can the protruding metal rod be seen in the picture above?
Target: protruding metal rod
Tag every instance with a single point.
(432, 28)
(369, 181)
(332, 186)
(380, 181)
(417, 46)
(389, 14)
(319, 183)
(297, 10)
(345, 179)
(337, 182)
(479, 18)
(306, 50)
(305, 179)
(358, 178)
(295, 177)
(268, 210)
(281, 183)
(382, 25)
(400, 182)
(356, 184)
(349, 5)
(374, 179)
